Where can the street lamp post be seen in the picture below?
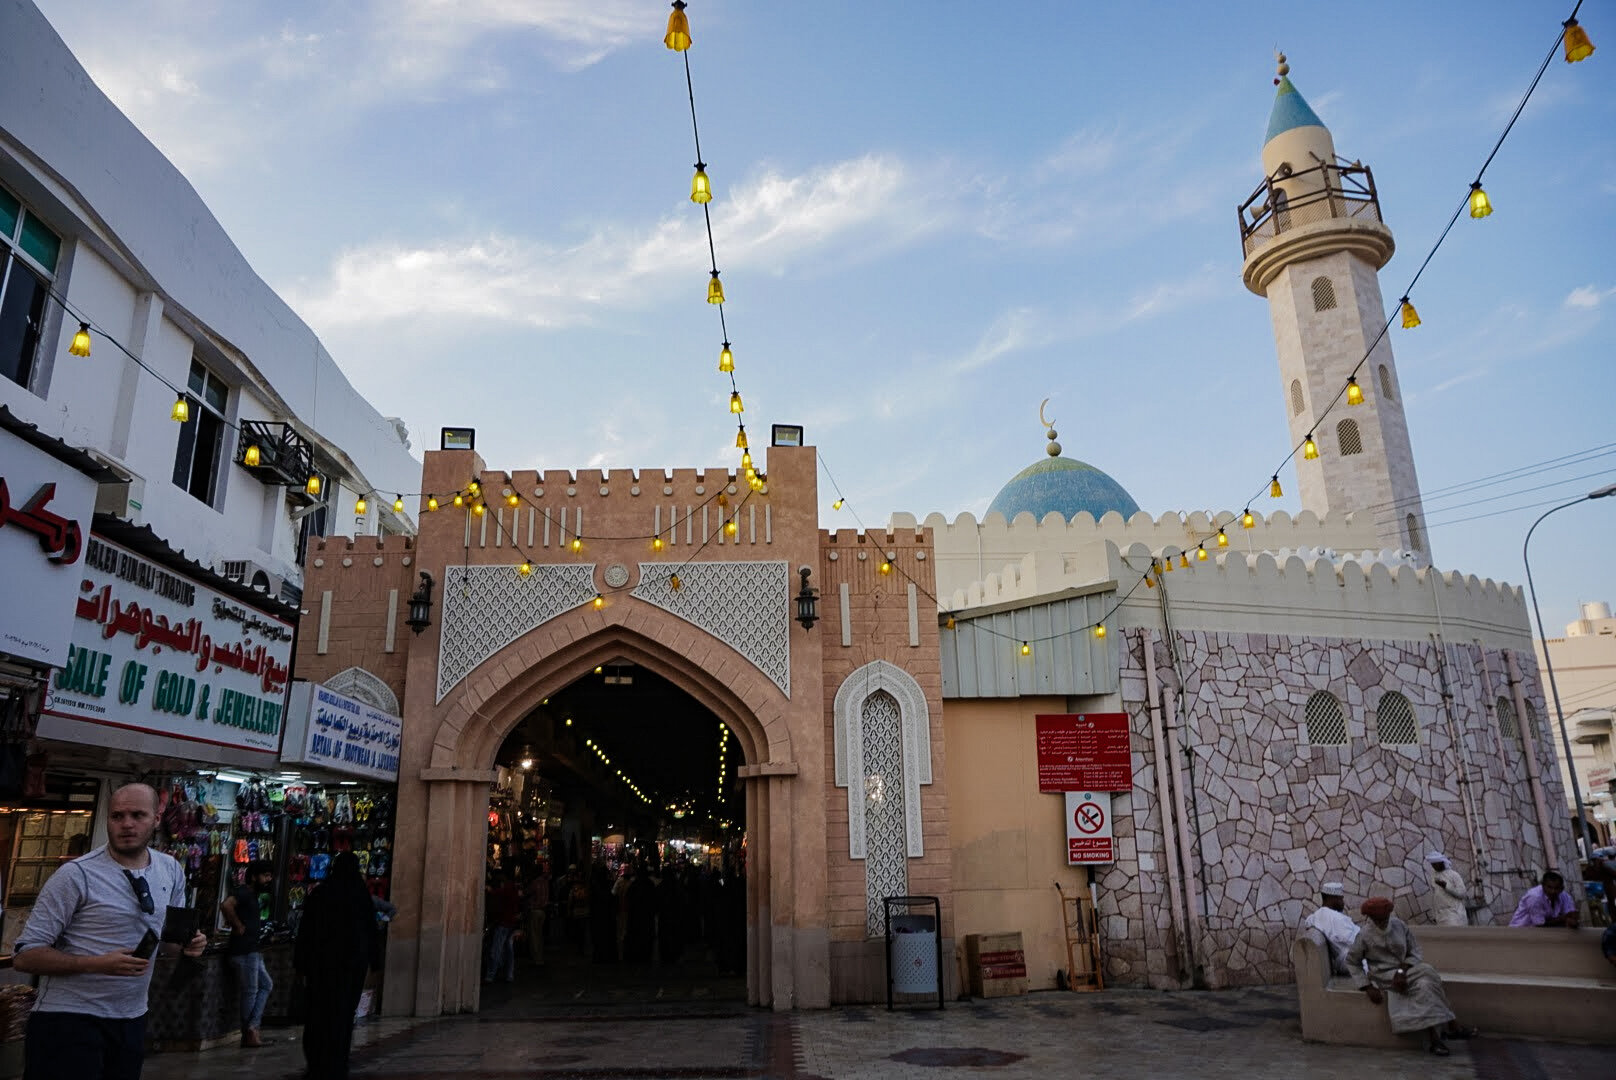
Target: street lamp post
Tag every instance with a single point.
(1548, 663)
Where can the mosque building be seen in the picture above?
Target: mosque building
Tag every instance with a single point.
(1304, 697)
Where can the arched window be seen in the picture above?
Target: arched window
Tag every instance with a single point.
(1348, 438)
(1416, 542)
(886, 849)
(1395, 724)
(1531, 717)
(1386, 383)
(1296, 397)
(1326, 720)
(1323, 294)
(1506, 719)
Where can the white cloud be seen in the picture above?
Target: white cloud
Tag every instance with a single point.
(1588, 296)
(766, 223)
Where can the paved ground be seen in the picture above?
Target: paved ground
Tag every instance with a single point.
(1251, 1034)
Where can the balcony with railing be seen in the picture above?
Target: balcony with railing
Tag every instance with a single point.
(1289, 200)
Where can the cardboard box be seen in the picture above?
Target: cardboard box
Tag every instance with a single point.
(995, 965)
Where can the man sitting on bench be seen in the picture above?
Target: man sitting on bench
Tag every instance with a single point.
(1546, 904)
(1416, 1000)
(1334, 924)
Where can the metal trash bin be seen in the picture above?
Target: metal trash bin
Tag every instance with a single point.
(914, 947)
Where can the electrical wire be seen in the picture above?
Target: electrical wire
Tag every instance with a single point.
(1580, 457)
(1518, 491)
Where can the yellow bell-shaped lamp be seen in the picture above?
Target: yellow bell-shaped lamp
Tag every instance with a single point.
(726, 359)
(1480, 205)
(1354, 391)
(181, 412)
(735, 405)
(81, 341)
(678, 36)
(701, 188)
(360, 505)
(252, 456)
(1577, 45)
(1274, 490)
(1310, 449)
(1223, 539)
(740, 438)
(398, 506)
(715, 289)
(1411, 318)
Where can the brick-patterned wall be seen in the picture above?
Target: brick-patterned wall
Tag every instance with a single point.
(878, 606)
(349, 585)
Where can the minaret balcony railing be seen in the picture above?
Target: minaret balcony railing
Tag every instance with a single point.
(1289, 200)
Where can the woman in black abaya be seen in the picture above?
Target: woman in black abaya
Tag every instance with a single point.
(336, 946)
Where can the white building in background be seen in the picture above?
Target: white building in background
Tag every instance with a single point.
(1585, 673)
(97, 225)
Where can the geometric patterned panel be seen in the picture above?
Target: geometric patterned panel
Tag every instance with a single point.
(360, 684)
(485, 608)
(886, 855)
(1395, 724)
(1326, 721)
(746, 605)
(1506, 719)
(914, 726)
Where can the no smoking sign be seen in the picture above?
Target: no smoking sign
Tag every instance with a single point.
(1088, 828)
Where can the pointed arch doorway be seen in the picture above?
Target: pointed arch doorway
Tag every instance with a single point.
(434, 960)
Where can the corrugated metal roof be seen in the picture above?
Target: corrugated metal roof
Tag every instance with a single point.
(982, 657)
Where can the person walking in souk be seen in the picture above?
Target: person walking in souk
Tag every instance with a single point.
(337, 944)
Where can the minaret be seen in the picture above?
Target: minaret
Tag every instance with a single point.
(1314, 241)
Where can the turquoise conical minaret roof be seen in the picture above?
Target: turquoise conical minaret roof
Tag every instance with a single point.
(1291, 110)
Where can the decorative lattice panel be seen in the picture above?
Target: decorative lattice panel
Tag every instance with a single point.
(1394, 721)
(1507, 726)
(746, 605)
(485, 608)
(1326, 721)
(886, 848)
(361, 685)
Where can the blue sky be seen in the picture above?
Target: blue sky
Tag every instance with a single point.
(928, 218)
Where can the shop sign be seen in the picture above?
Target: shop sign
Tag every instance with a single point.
(156, 651)
(45, 508)
(334, 731)
(1601, 776)
(1088, 828)
(1084, 752)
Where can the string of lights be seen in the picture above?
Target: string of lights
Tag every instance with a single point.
(678, 39)
(605, 759)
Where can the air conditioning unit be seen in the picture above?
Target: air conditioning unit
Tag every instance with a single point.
(251, 574)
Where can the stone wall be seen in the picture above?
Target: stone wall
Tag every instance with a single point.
(1272, 816)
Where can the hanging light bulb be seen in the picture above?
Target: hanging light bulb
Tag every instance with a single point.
(1354, 391)
(313, 485)
(398, 506)
(1149, 582)
(886, 566)
(525, 569)
(1200, 553)
(701, 188)
(735, 405)
(715, 290)
(1248, 520)
(726, 359)
(1167, 564)
(1274, 490)
(1223, 539)
(81, 341)
(1099, 630)
(1183, 560)
(359, 505)
(723, 500)
(477, 509)
(1026, 649)
(656, 543)
(837, 505)
(181, 412)
(577, 543)
(746, 459)
(1480, 205)
(1310, 449)
(252, 456)
(740, 438)
(678, 36)
(1411, 318)
(674, 583)
(730, 528)
(474, 488)
(513, 499)
(459, 500)
(948, 623)
(432, 502)
(599, 602)
(1577, 45)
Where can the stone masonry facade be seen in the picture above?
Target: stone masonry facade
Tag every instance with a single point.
(1273, 815)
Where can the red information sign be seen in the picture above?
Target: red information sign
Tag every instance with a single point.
(1084, 752)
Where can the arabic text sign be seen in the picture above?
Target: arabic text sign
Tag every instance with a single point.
(45, 508)
(155, 651)
(343, 734)
(1084, 752)
(1088, 828)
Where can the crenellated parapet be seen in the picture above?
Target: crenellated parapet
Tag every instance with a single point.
(1257, 592)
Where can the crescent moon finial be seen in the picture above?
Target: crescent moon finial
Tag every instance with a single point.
(1041, 419)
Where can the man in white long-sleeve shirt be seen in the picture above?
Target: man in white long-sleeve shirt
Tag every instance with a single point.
(1334, 923)
(1447, 892)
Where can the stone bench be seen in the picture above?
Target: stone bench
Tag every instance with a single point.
(1548, 983)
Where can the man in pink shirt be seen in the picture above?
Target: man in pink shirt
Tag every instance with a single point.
(1547, 904)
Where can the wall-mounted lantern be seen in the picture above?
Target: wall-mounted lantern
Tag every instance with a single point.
(420, 616)
(807, 601)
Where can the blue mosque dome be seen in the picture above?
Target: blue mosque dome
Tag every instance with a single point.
(1064, 485)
